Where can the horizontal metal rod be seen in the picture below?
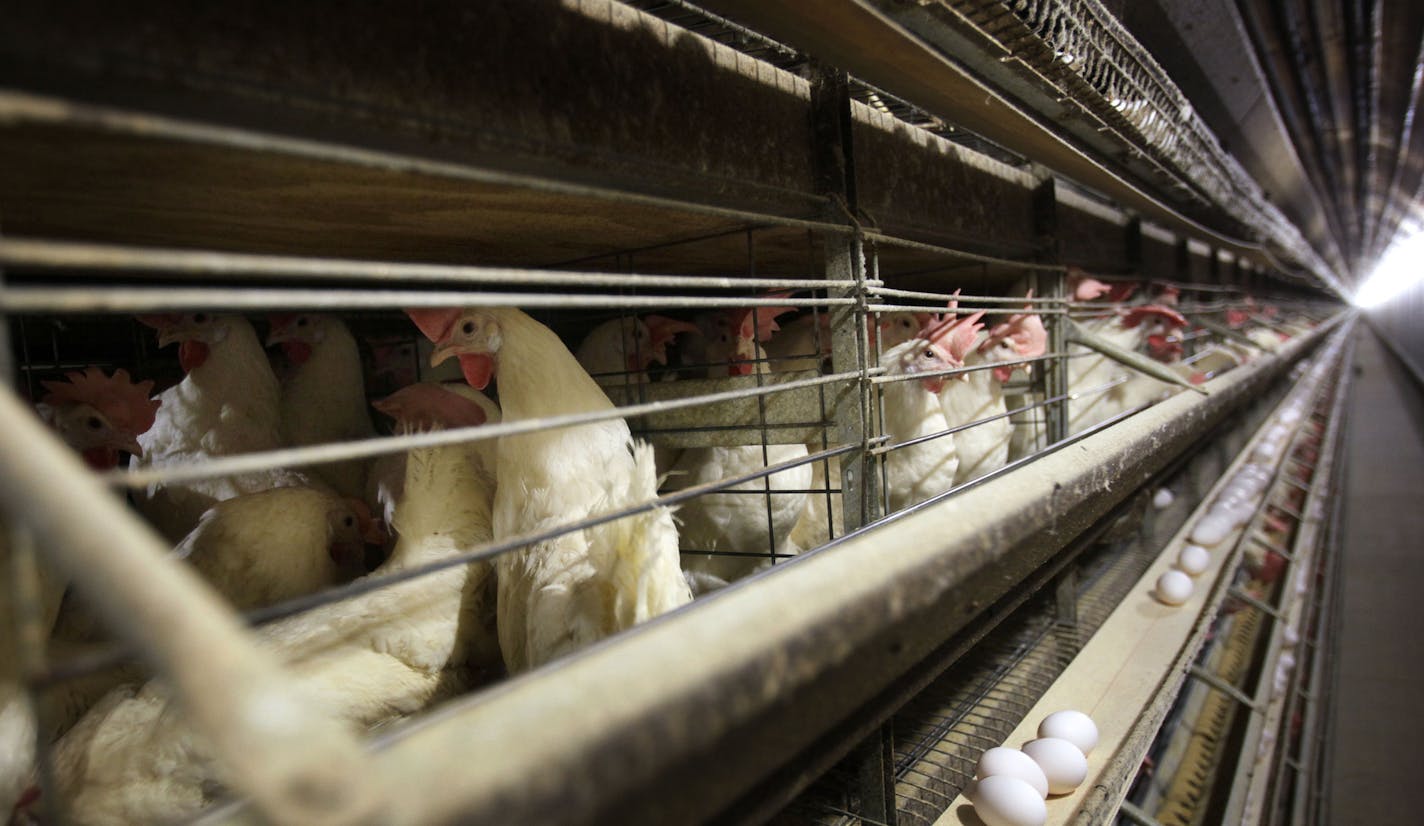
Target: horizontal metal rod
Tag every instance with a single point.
(960, 371)
(108, 259)
(92, 299)
(300, 765)
(1018, 301)
(957, 428)
(904, 243)
(1008, 307)
(383, 445)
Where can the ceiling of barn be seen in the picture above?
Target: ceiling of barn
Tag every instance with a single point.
(1317, 100)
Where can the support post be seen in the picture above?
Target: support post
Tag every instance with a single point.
(845, 263)
(1051, 284)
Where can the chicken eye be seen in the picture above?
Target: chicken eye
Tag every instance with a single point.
(349, 521)
(302, 321)
(93, 423)
(928, 353)
(200, 318)
(468, 328)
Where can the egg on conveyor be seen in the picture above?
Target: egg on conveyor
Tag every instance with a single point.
(1063, 763)
(1193, 560)
(1173, 588)
(1162, 498)
(1000, 800)
(1211, 529)
(1073, 726)
(1002, 761)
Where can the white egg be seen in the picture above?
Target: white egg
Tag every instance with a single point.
(1000, 800)
(1173, 588)
(1063, 763)
(1073, 726)
(1193, 560)
(1002, 760)
(1162, 498)
(1210, 529)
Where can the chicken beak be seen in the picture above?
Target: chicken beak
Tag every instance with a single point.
(373, 532)
(275, 337)
(176, 334)
(129, 444)
(443, 354)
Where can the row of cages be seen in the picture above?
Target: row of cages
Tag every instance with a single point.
(621, 444)
(435, 385)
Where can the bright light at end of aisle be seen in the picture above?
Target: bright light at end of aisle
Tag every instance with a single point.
(1401, 267)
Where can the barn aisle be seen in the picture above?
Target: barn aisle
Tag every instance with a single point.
(1380, 678)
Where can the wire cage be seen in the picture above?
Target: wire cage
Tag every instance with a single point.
(756, 338)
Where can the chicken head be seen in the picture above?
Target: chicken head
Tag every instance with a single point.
(1161, 324)
(297, 333)
(99, 415)
(1021, 336)
(194, 333)
(945, 344)
(350, 527)
(428, 406)
(472, 336)
(738, 333)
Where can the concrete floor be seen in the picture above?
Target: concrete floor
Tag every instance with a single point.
(1379, 700)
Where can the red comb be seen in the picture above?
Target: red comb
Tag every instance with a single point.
(122, 401)
(965, 335)
(1025, 330)
(1121, 291)
(430, 405)
(741, 319)
(434, 322)
(1137, 315)
(1084, 287)
(663, 329)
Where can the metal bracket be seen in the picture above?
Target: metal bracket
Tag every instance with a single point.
(1256, 603)
(1130, 811)
(1223, 686)
(1289, 556)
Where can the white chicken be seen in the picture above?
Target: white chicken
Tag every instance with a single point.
(756, 520)
(278, 544)
(426, 406)
(824, 513)
(324, 396)
(979, 395)
(560, 594)
(229, 403)
(617, 352)
(373, 658)
(911, 409)
(98, 416)
(1144, 326)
